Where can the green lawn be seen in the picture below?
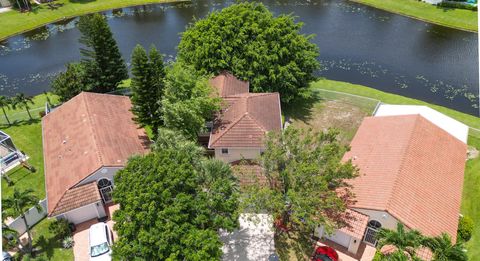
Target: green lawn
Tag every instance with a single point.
(471, 199)
(456, 18)
(14, 22)
(27, 136)
(50, 247)
(389, 98)
(38, 105)
(471, 191)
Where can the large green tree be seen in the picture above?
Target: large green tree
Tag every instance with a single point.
(248, 40)
(17, 204)
(172, 202)
(187, 101)
(147, 87)
(104, 65)
(71, 82)
(306, 180)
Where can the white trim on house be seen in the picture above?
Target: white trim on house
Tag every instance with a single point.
(350, 242)
(84, 213)
(450, 125)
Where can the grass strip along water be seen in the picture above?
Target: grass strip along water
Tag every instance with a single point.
(14, 22)
(456, 18)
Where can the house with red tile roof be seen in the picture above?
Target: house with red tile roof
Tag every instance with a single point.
(85, 142)
(411, 172)
(240, 128)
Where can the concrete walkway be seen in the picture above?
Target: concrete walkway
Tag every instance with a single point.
(252, 241)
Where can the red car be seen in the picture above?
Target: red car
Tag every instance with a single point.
(325, 253)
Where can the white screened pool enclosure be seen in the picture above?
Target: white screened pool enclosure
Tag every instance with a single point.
(10, 156)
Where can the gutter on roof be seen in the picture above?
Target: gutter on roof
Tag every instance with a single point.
(44, 165)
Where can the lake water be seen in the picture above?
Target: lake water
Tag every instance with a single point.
(358, 44)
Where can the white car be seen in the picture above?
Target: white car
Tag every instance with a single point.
(100, 242)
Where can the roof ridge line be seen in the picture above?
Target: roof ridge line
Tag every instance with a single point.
(228, 128)
(251, 94)
(56, 205)
(93, 130)
(402, 162)
(224, 80)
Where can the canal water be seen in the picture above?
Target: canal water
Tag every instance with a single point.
(358, 44)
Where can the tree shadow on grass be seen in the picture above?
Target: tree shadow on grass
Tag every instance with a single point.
(301, 108)
(17, 123)
(81, 1)
(46, 246)
(296, 245)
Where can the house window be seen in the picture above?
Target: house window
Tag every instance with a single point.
(374, 224)
(224, 151)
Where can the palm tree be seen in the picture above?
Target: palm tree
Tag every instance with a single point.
(18, 204)
(404, 240)
(443, 249)
(5, 102)
(22, 101)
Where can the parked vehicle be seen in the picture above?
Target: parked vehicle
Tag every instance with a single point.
(325, 253)
(100, 242)
(6, 256)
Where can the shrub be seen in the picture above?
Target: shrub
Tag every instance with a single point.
(465, 228)
(68, 242)
(378, 256)
(458, 5)
(60, 228)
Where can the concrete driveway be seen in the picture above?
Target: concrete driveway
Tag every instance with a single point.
(81, 248)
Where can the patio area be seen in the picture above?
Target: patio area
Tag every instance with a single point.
(10, 156)
(365, 252)
(81, 248)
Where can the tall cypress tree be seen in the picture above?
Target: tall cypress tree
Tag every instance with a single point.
(147, 87)
(105, 67)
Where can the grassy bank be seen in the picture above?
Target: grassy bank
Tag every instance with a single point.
(471, 197)
(456, 18)
(14, 22)
(360, 90)
(471, 191)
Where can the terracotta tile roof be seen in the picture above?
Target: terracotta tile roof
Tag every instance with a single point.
(356, 223)
(82, 135)
(246, 119)
(77, 197)
(410, 168)
(228, 85)
(248, 173)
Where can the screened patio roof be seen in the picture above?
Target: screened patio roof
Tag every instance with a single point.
(6, 145)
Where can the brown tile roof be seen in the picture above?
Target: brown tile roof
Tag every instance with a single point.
(228, 85)
(245, 120)
(356, 223)
(248, 173)
(410, 168)
(77, 197)
(87, 132)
